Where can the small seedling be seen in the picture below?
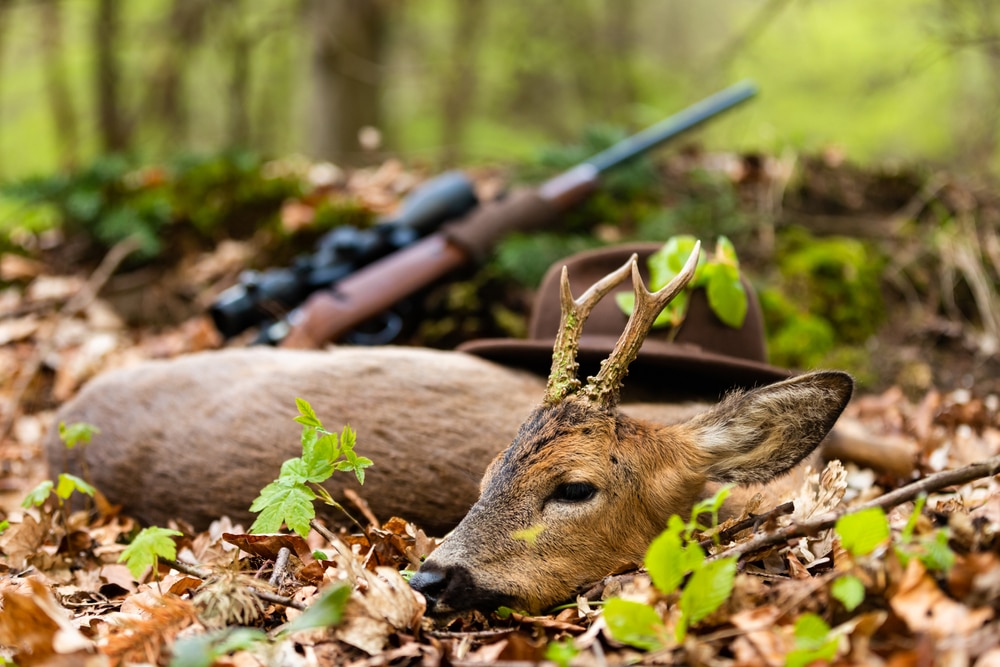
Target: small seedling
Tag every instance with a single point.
(719, 275)
(150, 545)
(672, 556)
(289, 498)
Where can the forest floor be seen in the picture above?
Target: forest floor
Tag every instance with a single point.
(930, 591)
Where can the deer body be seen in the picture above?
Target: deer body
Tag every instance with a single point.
(198, 437)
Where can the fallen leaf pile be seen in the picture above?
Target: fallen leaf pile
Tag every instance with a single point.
(929, 595)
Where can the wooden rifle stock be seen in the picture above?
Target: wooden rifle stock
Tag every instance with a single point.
(329, 314)
(326, 315)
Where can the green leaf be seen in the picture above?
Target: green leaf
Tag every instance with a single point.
(357, 466)
(203, 650)
(327, 610)
(861, 532)
(280, 502)
(4, 525)
(634, 623)
(348, 439)
(812, 642)
(725, 252)
(77, 433)
(38, 495)
(149, 545)
(849, 591)
(709, 506)
(918, 507)
(561, 652)
(937, 555)
(726, 296)
(318, 456)
(668, 261)
(708, 588)
(307, 416)
(665, 560)
(69, 483)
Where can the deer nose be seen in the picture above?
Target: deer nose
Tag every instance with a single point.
(430, 582)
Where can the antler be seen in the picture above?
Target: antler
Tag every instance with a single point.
(604, 389)
(562, 378)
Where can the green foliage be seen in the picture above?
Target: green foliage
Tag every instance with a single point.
(148, 547)
(709, 586)
(561, 652)
(526, 257)
(718, 275)
(861, 532)
(849, 591)
(327, 610)
(932, 550)
(114, 198)
(77, 433)
(634, 623)
(204, 649)
(38, 495)
(289, 498)
(829, 294)
(674, 554)
(709, 207)
(813, 642)
(64, 487)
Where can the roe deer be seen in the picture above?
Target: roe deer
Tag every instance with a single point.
(198, 437)
(583, 488)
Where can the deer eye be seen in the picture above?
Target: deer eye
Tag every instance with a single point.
(574, 492)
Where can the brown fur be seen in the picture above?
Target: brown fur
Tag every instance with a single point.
(196, 438)
(522, 546)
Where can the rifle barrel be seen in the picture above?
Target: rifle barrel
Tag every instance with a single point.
(670, 127)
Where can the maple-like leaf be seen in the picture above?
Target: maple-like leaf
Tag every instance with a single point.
(149, 545)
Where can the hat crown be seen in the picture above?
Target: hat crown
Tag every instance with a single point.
(701, 327)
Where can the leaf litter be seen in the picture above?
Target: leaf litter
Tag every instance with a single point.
(927, 594)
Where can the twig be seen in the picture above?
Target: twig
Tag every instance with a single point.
(205, 574)
(903, 494)
(749, 522)
(363, 507)
(280, 563)
(324, 531)
(74, 305)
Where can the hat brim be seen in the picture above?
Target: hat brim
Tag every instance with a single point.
(676, 367)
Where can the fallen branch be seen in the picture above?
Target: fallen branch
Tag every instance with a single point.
(903, 494)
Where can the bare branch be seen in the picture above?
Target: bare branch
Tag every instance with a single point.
(903, 494)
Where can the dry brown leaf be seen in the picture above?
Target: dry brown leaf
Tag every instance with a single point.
(17, 267)
(39, 629)
(925, 607)
(23, 540)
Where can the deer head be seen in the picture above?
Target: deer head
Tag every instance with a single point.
(583, 489)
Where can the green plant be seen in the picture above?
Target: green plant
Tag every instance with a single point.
(813, 642)
(150, 545)
(289, 498)
(718, 275)
(673, 556)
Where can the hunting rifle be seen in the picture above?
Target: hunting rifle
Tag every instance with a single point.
(328, 314)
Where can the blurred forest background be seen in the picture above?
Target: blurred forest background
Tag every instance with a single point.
(457, 81)
(858, 186)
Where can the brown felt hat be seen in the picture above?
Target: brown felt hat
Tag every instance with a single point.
(705, 356)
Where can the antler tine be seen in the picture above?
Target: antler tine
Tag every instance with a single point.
(562, 378)
(604, 389)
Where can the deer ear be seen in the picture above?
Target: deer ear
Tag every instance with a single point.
(753, 436)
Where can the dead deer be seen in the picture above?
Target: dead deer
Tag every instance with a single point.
(583, 488)
(198, 437)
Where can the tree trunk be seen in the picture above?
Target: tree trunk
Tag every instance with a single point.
(56, 85)
(111, 121)
(239, 45)
(348, 37)
(185, 29)
(459, 81)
